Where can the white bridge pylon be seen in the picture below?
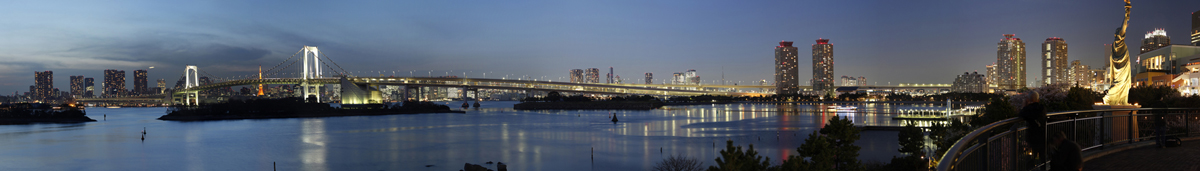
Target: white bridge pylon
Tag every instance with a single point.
(191, 79)
(311, 70)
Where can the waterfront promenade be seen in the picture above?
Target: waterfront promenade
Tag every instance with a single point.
(1186, 157)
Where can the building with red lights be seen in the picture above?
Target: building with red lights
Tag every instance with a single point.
(786, 71)
(822, 54)
(1010, 63)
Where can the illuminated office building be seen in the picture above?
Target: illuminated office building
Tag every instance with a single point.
(991, 75)
(76, 86)
(89, 87)
(162, 86)
(43, 83)
(114, 83)
(822, 54)
(1154, 40)
(140, 84)
(786, 70)
(1054, 61)
(649, 77)
(1196, 28)
(1010, 63)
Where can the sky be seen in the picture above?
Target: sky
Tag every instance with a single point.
(885, 41)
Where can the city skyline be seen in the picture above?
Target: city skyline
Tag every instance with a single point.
(231, 40)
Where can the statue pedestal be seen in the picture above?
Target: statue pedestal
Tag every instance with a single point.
(1117, 125)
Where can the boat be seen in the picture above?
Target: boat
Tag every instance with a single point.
(113, 107)
(843, 107)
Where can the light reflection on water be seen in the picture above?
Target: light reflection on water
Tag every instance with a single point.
(525, 140)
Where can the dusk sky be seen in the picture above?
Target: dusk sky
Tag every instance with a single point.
(884, 41)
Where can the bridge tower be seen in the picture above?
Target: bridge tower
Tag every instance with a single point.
(310, 70)
(191, 79)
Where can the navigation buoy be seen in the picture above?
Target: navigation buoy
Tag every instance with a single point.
(614, 118)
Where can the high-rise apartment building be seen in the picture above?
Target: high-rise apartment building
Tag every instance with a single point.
(991, 74)
(140, 83)
(593, 75)
(114, 83)
(1055, 68)
(849, 81)
(89, 86)
(1196, 28)
(1154, 40)
(576, 76)
(787, 73)
(1010, 63)
(822, 54)
(77, 86)
(43, 83)
(969, 82)
(649, 77)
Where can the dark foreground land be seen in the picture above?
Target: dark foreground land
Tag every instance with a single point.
(293, 108)
(591, 105)
(25, 113)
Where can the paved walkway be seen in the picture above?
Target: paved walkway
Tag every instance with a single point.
(1186, 157)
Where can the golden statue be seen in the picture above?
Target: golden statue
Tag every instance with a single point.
(1119, 66)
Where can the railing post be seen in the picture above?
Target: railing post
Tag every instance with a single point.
(1129, 126)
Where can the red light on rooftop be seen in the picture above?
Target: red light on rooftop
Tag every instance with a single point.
(822, 41)
(785, 44)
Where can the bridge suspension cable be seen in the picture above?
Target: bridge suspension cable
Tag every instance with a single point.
(285, 61)
(334, 63)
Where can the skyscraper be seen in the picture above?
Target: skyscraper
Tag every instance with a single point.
(1054, 61)
(649, 77)
(1010, 63)
(576, 76)
(43, 83)
(1196, 28)
(786, 71)
(140, 85)
(610, 75)
(991, 74)
(89, 86)
(1154, 40)
(822, 53)
(77, 86)
(114, 83)
(593, 75)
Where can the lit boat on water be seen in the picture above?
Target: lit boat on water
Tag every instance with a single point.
(843, 108)
(113, 107)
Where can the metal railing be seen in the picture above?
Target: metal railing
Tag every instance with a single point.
(1001, 145)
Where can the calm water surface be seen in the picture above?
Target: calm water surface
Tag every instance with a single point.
(525, 140)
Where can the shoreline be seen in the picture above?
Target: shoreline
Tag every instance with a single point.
(22, 121)
(309, 115)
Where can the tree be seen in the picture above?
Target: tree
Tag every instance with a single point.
(734, 159)
(842, 134)
(817, 150)
(1079, 98)
(996, 110)
(679, 163)
(912, 141)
